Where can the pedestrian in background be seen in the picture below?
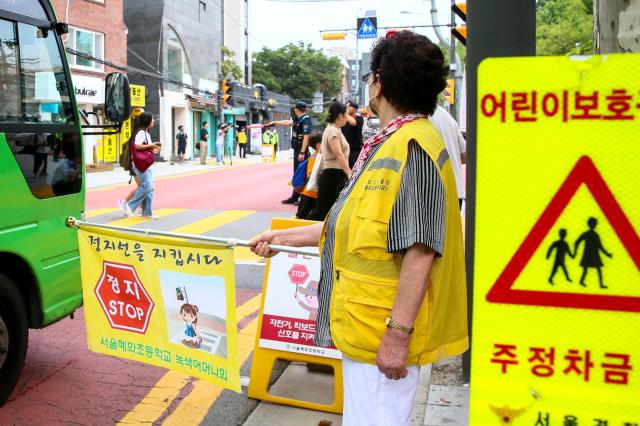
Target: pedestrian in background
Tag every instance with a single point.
(181, 137)
(314, 168)
(335, 162)
(204, 139)
(301, 123)
(144, 193)
(270, 137)
(392, 264)
(242, 143)
(455, 143)
(221, 135)
(352, 131)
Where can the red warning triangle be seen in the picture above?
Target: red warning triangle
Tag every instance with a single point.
(584, 172)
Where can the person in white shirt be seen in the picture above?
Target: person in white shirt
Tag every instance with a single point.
(455, 144)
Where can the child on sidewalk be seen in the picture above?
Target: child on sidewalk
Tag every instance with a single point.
(314, 167)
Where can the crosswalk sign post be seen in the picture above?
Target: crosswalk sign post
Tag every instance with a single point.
(367, 27)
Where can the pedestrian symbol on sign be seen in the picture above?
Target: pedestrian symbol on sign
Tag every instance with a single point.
(367, 28)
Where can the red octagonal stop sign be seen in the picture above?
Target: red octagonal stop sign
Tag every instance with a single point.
(123, 298)
(298, 274)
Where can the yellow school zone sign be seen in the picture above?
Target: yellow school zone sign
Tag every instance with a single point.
(557, 252)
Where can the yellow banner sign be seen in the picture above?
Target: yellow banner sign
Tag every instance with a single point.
(557, 252)
(163, 302)
(137, 95)
(109, 149)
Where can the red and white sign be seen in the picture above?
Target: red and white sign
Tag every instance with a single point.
(298, 274)
(123, 298)
(290, 311)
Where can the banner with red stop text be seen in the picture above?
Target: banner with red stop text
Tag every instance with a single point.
(164, 302)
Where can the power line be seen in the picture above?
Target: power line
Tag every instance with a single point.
(154, 76)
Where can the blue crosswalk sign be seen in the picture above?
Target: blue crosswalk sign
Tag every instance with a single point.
(367, 28)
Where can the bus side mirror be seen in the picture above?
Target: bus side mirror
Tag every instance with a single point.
(117, 105)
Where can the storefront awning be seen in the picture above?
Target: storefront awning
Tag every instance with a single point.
(200, 102)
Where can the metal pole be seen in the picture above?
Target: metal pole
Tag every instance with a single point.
(358, 72)
(457, 72)
(72, 222)
(497, 28)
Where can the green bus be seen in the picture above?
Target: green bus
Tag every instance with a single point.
(41, 177)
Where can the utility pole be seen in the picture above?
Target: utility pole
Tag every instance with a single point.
(616, 26)
(456, 65)
(497, 28)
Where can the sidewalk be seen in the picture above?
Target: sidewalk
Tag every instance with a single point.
(118, 176)
(441, 398)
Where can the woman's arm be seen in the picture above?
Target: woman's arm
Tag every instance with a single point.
(147, 146)
(303, 236)
(335, 146)
(280, 123)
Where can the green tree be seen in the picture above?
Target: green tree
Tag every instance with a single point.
(461, 50)
(229, 66)
(298, 70)
(564, 27)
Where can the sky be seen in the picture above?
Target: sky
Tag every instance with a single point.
(275, 23)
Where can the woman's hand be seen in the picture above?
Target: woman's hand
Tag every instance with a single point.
(260, 244)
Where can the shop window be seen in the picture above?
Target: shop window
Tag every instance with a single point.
(88, 42)
(177, 65)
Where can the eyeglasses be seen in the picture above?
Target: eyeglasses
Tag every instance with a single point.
(365, 77)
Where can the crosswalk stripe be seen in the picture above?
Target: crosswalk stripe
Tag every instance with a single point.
(160, 397)
(195, 406)
(131, 221)
(212, 222)
(97, 212)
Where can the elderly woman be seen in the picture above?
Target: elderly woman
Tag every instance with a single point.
(392, 287)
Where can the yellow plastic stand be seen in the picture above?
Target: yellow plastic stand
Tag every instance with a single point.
(264, 359)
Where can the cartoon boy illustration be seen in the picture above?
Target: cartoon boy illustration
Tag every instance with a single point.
(307, 297)
(189, 314)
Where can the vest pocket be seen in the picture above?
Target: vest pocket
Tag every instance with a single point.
(359, 311)
(368, 228)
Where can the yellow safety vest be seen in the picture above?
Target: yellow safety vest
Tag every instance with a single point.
(366, 275)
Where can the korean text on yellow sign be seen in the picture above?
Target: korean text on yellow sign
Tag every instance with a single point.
(137, 93)
(164, 302)
(557, 252)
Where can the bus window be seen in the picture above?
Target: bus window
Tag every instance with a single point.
(50, 162)
(45, 90)
(10, 109)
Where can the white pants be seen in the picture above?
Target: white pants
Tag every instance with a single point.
(370, 399)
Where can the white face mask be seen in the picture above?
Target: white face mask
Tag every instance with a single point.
(369, 107)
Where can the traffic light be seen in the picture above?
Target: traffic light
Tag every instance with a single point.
(460, 32)
(450, 91)
(334, 36)
(225, 87)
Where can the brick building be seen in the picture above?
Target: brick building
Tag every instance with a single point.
(96, 27)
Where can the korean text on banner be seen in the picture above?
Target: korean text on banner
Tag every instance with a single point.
(291, 306)
(164, 302)
(557, 252)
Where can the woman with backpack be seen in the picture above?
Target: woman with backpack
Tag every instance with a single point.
(142, 150)
(335, 162)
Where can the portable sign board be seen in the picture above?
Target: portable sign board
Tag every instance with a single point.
(287, 325)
